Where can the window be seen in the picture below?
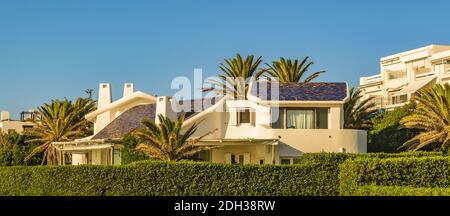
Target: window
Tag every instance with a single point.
(322, 118)
(244, 116)
(117, 157)
(300, 118)
(399, 99)
(277, 118)
(285, 161)
(243, 158)
(396, 74)
(288, 160)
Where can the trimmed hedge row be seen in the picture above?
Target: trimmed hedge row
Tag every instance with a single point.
(427, 172)
(373, 190)
(158, 178)
(338, 158)
(333, 160)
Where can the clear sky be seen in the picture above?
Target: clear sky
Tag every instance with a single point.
(58, 48)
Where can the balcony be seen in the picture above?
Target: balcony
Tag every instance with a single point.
(371, 80)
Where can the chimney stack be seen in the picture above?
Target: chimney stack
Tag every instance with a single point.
(104, 99)
(128, 89)
(104, 95)
(164, 107)
(4, 116)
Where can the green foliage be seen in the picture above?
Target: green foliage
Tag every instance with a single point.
(166, 141)
(373, 190)
(61, 120)
(357, 112)
(129, 153)
(333, 160)
(432, 117)
(291, 70)
(14, 149)
(427, 172)
(157, 178)
(338, 158)
(387, 135)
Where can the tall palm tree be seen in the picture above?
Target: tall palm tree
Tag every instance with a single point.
(432, 117)
(165, 140)
(357, 112)
(292, 71)
(60, 121)
(234, 79)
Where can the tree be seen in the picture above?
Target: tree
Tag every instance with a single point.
(431, 117)
(14, 149)
(292, 71)
(235, 76)
(357, 112)
(165, 140)
(61, 120)
(387, 134)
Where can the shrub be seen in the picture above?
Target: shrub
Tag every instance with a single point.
(338, 158)
(333, 160)
(428, 172)
(387, 135)
(373, 190)
(168, 179)
(129, 154)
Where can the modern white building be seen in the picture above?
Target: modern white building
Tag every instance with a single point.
(303, 118)
(8, 125)
(403, 74)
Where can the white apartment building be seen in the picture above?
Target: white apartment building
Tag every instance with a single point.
(403, 74)
(8, 125)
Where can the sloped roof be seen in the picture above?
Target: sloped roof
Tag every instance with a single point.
(131, 119)
(312, 91)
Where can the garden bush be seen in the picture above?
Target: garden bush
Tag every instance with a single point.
(333, 160)
(417, 172)
(156, 178)
(373, 190)
(338, 158)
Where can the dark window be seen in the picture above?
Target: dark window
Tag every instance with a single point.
(285, 161)
(261, 162)
(322, 118)
(277, 118)
(244, 116)
(233, 159)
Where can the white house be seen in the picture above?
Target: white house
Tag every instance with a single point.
(258, 130)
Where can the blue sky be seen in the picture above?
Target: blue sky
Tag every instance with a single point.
(59, 48)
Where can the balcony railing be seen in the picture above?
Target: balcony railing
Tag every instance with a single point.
(371, 79)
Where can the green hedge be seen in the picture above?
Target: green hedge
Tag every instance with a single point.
(338, 158)
(167, 179)
(333, 160)
(373, 190)
(427, 172)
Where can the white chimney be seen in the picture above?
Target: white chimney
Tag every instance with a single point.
(128, 89)
(104, 99)
(104, 95)
(4, 116)
(164, 107)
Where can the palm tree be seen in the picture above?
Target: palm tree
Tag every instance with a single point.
(357, 112)
(165, 140)
(432, 117)
(60, 121)
(235, 76)
(292, 71)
